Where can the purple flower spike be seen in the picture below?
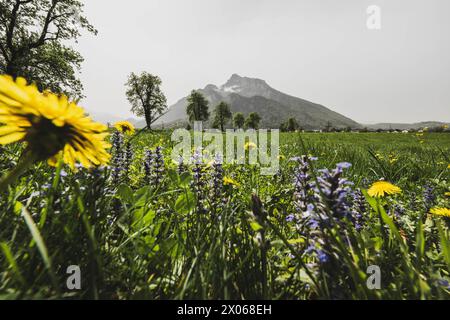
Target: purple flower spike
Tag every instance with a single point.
(343, 165)
(290, 218)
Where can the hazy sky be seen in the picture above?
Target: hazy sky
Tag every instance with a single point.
(319, 50)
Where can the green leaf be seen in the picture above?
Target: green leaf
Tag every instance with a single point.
(255, 226)
(372, 201)
(12, 261)
(296, 241)
(37, 238)
(185, 203)
(185, 179)
(142, 196)
(445, 244)
(17, 208)
(125, 193)
(143, 217)
(420, 240)
(173, 176)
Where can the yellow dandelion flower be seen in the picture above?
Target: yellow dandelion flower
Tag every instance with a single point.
(125, 127)
(230, 182)
(448, 167)
(382, 188)
(51, 126)
(447, 194)
(250, 145)
(442, 212)
(393, 160)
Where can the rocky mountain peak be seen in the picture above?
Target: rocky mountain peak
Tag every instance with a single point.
(246, 95)
(210, 87)
(245, 86)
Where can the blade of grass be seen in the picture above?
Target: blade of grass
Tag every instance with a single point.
(12, 262)
(37, 238)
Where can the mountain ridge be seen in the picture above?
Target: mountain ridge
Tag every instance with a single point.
(405, 126)
(247, 95)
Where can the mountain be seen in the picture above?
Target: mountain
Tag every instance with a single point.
(406, 126)
(248, 95)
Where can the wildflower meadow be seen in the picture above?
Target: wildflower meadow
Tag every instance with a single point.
(346, 215)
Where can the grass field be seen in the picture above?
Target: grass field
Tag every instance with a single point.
(148, 228)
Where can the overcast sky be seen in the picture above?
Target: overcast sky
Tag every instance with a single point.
(319, 50)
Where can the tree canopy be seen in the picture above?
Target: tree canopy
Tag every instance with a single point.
(253, 120)
(222, 115)
(290, 125)
(33, 42)
(197, 108)
(146, 97)
(239, 120)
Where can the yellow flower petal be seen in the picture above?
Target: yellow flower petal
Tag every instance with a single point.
(443, 212)
(4, 130)
(125, 127)
(52, 126)
(382, 188)
(230, 182)
(13, 137)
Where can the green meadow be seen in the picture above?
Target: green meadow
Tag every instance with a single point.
(146, 227)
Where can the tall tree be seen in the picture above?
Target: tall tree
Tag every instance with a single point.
(33, 42)
(291, 125)
(222, 115)
(146, 97)
(253, 120)
(197, 108)
(239, 120)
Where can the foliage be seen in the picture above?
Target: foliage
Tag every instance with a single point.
(222, 115)
(253, 120)
(33, 37)
(290, 125)
(146, 97)
(239, 120)
(164, 230)
(197, 108)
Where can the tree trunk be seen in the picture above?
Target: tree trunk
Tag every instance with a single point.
(148, 119)
(11, 69)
